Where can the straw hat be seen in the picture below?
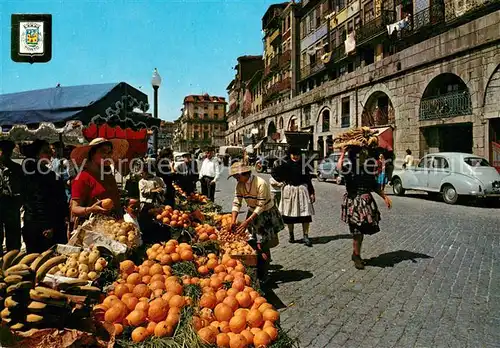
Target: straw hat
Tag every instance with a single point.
(238, 168)
(81, 153)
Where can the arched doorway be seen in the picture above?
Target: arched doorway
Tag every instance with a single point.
(271, 129)
(378, 111)
(293, 125)
(325, 120)
(446, 96)
(281, 123)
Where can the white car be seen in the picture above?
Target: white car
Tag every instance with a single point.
(450, 174)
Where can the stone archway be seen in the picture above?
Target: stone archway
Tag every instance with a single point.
(446, 95)
(492, 95)
(378, 110)
(293, 124)
(271, 129)
(324, 120)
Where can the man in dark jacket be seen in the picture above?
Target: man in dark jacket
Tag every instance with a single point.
(11, 181)
(187, 174)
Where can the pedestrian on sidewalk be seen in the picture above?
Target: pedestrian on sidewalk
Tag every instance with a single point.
(11, 183)
(263, 219)
(381, 172)
(297, 195)
(359, 209)
(209, 174)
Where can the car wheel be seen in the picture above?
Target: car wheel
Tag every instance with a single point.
(397, 187)
(450, 195)
(320, 177)
(338, 180)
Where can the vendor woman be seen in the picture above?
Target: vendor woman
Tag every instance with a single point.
(97, 180)
(263, 219)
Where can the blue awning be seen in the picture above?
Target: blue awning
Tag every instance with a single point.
(112, 103)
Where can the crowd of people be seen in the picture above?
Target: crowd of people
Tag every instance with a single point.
(56, 197)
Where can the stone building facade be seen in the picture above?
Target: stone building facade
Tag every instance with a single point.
(203, 122)
(439, 94)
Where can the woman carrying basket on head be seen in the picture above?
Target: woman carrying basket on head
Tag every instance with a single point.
(263, 219)
(359, 209)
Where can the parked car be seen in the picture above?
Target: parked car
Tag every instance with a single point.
(230, 154)
(450, 175)
(327, 169)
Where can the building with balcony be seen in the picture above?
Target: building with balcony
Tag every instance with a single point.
(424, 73)
(241, 100)
(203, 122)
(277, 26)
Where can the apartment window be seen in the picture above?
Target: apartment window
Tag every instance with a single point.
(369, 13)
(346, 113)
(195, 115)
(318, 17)
(216, 107)
(350, 27)
(196, 135)
(325, 124)
(205, 115)
(205, 135)
(357, 22)
(216, 116)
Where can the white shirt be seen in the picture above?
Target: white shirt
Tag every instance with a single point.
(409, 160)
(147, 185)
(210, 168)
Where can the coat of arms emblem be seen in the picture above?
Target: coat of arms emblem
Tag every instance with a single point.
(31, 38)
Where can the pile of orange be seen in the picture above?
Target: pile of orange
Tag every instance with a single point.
(237, 317)
(206, 232)
(197, 198)
(174, 218)
(170, 252)
(146, 297)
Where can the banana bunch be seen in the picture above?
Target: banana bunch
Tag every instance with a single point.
(27, 304)
(85, 265)
(363, 136)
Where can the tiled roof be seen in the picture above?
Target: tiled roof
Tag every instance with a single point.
(204, 98)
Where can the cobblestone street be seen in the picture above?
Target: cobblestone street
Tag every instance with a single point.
(432, 280)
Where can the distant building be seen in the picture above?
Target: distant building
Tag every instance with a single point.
(166, 134)
(203, 122)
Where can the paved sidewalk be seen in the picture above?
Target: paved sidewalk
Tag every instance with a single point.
(432, 280)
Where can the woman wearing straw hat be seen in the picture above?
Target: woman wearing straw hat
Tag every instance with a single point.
(263, 219)
(96, 181)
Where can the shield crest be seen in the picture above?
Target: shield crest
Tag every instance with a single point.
(32, 36)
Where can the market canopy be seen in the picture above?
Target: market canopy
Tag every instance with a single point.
(112, 103)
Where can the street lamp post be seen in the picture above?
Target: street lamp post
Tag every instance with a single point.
(155, 82)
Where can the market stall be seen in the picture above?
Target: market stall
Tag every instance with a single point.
(77, 114)
(201, 292)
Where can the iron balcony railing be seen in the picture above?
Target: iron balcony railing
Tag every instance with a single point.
(375, 27)
(445, 106)
(311, 69)
(432, 15)
(285, 58)
(278, 87)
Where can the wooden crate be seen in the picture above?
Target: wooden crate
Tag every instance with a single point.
(247, 260)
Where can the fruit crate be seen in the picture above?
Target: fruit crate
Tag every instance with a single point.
(247, 260)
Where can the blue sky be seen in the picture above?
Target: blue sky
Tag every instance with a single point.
(194, 45)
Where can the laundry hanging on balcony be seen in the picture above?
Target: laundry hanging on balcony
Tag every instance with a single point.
(350, 43)
(325, 58)
(398, 26)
